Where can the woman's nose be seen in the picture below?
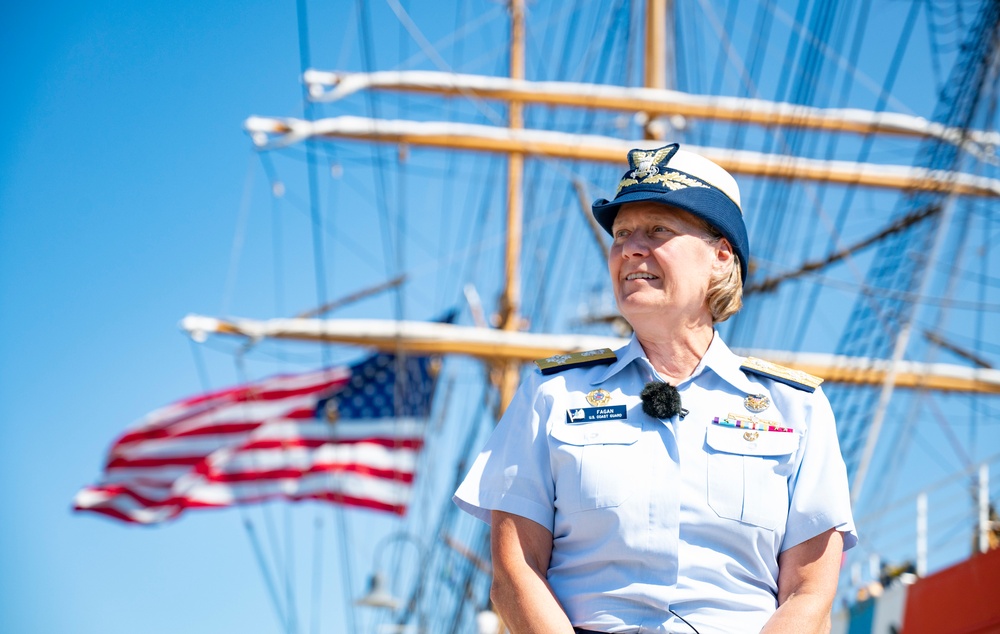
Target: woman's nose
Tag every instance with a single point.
(635, 245)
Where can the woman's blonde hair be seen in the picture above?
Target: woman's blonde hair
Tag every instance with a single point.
(725, 291)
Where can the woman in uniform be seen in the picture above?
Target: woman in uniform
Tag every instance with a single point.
(670, 486)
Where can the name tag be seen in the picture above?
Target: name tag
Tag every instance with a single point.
(592, 414)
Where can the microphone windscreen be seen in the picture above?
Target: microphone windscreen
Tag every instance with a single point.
(660, 400)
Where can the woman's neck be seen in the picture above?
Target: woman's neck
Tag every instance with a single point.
(675, 352)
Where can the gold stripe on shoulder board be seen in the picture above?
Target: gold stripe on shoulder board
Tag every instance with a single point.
(560, 362)
(788, 376)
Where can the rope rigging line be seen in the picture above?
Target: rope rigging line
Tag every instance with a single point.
(289, 560)
(837, 227)
(562, 188)
(319, 260)
(277, 239)
(861, 78)
(477, 228)
(979, 327)
(447, 519)
(319, 265)
(768, 229)
(901, 436)
(763, 22)
(771, 284)
(471, 577)
(877, 513)
(394, 243)
(246, 520)
(264, 570)
(749, 76)
(871, 292)
(782, 194)
(446, 193)
(281, 573)
(957, 107)
(571, 27)
(316, 584)
(463, 29)
(932, 33)
(239, 235)
(614, 47)
(199, 364)
(425, 45)
(962, 353)
(378, 161)
(884, 94)
(724, 45)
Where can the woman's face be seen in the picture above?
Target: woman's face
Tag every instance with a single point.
(662, 261)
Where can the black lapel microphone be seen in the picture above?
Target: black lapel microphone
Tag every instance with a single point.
(661, 400)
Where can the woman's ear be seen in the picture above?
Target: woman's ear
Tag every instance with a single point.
(723, 254)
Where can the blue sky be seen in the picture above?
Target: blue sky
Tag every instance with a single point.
(123, 163)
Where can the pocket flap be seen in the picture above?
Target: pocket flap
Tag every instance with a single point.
(736, 440)
(602, 433)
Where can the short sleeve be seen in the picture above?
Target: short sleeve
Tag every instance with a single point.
(512, 473)
(820, 497)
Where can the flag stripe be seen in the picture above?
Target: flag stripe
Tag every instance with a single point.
(344, 483)
(164, 459)
(221, 428)
(392, 443)
(285, 451)
(353, 489)
(374, 456)
(289, 472)
(238, 413)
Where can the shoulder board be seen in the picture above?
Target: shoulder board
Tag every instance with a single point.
(560, 362)
(796, 378)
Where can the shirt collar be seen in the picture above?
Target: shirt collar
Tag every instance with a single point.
(726, 365)
(718, 358)
(625, 355)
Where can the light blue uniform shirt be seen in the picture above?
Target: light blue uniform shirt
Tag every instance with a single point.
(649, 514)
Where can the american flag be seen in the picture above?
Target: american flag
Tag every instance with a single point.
(345, 435)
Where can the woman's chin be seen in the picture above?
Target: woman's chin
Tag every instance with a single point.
(631, 307)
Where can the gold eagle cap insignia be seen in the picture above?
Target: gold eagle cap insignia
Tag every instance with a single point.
(646, 163)
(648, 166)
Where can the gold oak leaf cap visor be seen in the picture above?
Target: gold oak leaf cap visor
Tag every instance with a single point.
(688, 181)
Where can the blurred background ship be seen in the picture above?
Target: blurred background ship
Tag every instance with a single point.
(452, 168)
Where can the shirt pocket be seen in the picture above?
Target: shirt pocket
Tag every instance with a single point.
(595, 465)
(748, 474)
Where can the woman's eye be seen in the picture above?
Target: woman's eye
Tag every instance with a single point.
(621, 233)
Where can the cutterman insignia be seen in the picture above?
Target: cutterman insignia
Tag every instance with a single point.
(599, 397)
(796, 378)
(560, 362)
